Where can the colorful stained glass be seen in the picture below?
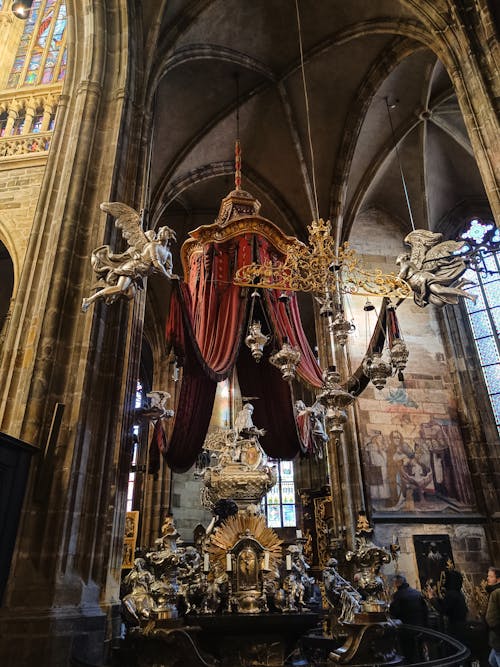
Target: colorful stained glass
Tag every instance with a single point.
(476, 231)
(40, 45)
(279, 502)
(488, 351)
(273, 516)
(286, 469)
(62, 69)
(44, 27)
(289, 518)
(36, 126)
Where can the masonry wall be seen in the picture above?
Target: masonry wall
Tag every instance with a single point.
(19, 192)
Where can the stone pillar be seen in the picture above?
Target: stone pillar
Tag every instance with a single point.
(63, 588)
(30, 113)
(48, 108)
(11, 120)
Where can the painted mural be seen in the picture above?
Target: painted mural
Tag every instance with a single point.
(410, 441)
(414, 460)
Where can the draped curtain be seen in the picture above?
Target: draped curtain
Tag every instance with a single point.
(205, 328)
(206, 325)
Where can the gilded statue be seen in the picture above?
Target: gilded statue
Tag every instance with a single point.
(433, 270)
(123, 273)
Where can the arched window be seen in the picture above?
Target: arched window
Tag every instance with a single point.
(37, 120)
(484, 314)
(4, 117)
(17, 128)
(41, 54)
(6, 286)
(279, 503)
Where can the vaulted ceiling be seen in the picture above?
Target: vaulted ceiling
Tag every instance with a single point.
(362, 65)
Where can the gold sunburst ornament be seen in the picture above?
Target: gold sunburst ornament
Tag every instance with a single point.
(320, 268)
(238, 527)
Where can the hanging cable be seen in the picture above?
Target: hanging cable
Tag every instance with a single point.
(306, 99)
(237, 147)
(399, 163)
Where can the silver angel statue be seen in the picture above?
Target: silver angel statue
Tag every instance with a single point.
(432, 269)
(122, 273)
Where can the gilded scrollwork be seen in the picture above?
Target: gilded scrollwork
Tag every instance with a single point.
(321, 268)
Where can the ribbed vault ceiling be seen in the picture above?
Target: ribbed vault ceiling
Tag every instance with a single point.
(357, 53)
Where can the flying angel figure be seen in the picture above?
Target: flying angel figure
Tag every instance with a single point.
(432, 270)
(148, 253)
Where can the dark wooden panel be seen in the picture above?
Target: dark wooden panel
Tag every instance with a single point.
(15, 458)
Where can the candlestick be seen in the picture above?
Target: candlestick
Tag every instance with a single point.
(229, 565)
(299, 534)
(288, 562)
(265, 565)
(206, 563)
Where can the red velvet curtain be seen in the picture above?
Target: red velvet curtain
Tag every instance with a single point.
(206, 325)
(205, 328)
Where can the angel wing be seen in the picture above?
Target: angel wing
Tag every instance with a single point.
(436, 257)
(128, 222)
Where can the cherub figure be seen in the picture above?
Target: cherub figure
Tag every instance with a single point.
(148, 253)
(432, 270)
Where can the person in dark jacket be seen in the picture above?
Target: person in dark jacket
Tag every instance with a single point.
(493, 615)
(452, 605)
(409, 606)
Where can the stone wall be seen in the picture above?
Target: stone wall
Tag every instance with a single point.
(19, 192)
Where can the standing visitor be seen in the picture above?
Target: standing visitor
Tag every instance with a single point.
(493, 615)
(452, 606)
(409, 606)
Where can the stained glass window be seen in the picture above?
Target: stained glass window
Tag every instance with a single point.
(41, 54)
(484, 314)
(4, 116)
(279, 503)
(139, 396)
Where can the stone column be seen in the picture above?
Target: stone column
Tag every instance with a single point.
(11, 119)
(63, 587)
(30, 113)
(48, 108)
